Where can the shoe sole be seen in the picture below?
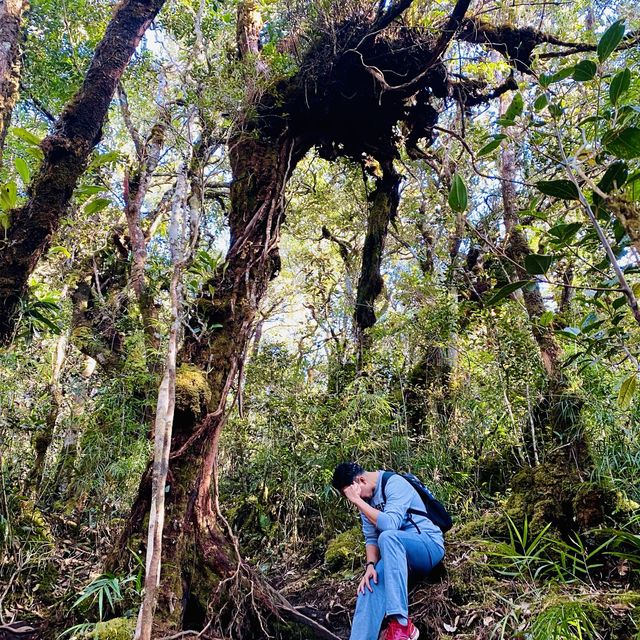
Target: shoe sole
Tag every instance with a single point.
(415, 634)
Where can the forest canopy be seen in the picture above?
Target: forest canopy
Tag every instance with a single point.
(242, 242)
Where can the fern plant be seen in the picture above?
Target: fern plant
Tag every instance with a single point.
(568, 620)
(106, 589)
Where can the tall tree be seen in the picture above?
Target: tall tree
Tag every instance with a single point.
(11, 12)
(66, 154)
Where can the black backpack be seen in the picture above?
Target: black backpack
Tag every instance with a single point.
(434, 510)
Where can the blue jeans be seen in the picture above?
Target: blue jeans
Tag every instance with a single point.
(401, 552)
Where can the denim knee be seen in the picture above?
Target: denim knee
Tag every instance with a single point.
(389, 536)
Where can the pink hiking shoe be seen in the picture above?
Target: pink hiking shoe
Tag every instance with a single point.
(397, 631)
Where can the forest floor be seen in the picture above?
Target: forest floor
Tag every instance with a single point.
(526, 586)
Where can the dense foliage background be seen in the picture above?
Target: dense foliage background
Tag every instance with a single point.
(502, 367)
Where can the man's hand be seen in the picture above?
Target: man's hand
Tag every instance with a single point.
(352, 492)
(369, 574)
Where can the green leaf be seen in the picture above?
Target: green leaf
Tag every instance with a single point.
(23, 171)
(614, 177)
(8, 195)
(44, 320)
(624, 143)
(547, 79)
(5, 220)
(458, 198)
(569, 332)
(610, 39)
(515, 108)
(563, 189)
(27, 136)
(565, 232)
(537, 264)
(491, 146)
(505, 291)
(546, 319)
(584, 71)
(555, 110)
(541, 102)
(90, 189)
(97, 205)
(63, 250)
(105, 158)
(619, 85)
(627, 391)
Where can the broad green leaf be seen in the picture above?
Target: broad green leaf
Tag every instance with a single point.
(541, 102)
(632, 187)
(27, 136)
(614, 177)
(565, 232)
(537, 264)
(569, 332)
(105, 158)
(555, 110)
(458, 198)
(97, 205)
(610, 39)
(515, 108)
(505, 291)
(44, 320)
(624, 143)
(89, 190)
(8, 195)
(491, 146)
(23, 171)
(627, 391)
(584, 71)
(619, 85)
(5, 220)
(563, 189)
(547, 79)
(546, 319)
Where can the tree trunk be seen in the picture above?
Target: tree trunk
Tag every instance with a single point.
(555, 418)
(66, 153)
(10, 18)
(194, 534)
(384, 206)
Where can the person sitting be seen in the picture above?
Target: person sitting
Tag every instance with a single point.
(397, 544)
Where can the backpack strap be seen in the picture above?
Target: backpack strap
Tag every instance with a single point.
(383, 485)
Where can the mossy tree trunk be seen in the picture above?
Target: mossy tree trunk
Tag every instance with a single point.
(197, 553)
(384, 201)
(11, 12)
(555, 418)
(66, 154)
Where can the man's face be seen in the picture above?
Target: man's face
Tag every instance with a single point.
(366, 490)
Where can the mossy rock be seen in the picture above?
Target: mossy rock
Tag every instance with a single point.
(491, 524)
(344, 550)
(114, 629)
(32, 524)
(193, 393)
(470, 575)
(592, 503)
(543, 494)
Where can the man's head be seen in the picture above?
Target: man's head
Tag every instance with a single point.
(348, 473)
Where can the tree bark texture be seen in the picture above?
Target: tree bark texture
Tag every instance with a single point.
(66, 153)
(211, 362)
(11, 12)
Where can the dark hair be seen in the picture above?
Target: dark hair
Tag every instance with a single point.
(345, 473)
